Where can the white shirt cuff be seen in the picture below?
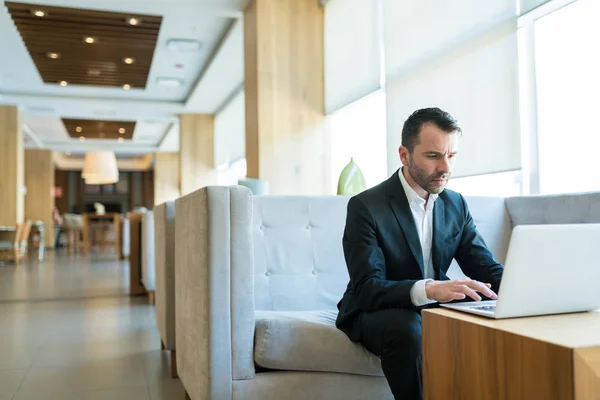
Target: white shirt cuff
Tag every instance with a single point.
(418, 296)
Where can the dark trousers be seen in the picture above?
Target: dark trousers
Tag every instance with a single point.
(394, 334)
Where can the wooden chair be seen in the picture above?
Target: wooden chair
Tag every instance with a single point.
(21, 248)
(12, 251)
(74, 229)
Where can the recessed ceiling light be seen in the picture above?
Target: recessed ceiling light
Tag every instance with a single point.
(121, 130)
(134, 21)
(169, 82)
(120, 140)
(126, 87)
(78, 129)
(53, 56)
(81, 138)
(128, 60)
(63, 83)
(89, 39)
(39, 13)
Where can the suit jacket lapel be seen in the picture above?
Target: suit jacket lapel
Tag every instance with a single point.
(404, 216)
(439, 223)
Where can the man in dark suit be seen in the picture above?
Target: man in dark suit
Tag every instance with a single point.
(399, 241)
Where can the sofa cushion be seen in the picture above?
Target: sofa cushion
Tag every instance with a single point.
(309, 341)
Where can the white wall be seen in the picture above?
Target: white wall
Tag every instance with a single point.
(230, 131)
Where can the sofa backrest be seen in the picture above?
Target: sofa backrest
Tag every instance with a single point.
(298, 258)
(579, 208)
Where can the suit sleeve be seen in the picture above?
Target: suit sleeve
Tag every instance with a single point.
(366, 263)
(473, 256)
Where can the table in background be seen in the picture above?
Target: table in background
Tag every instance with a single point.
(549, 357)
(7, 232)
(114, 218)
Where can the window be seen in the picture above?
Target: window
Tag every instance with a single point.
(567, 84)
(358, 131)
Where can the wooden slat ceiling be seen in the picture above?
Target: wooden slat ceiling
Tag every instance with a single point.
(94, 129)
(63, 31)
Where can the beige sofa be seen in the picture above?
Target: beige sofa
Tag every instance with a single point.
(258, 280)
(164, 243)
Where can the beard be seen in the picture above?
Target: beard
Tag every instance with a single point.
(427, 182)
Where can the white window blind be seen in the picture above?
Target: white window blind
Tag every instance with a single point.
(352, 51)
(461, 57)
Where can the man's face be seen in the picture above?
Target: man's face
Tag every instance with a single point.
(430, 162)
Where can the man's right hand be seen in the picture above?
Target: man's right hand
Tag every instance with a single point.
(458, 289)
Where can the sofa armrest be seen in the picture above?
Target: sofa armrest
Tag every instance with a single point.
(206, 307)
(242, 283)
(164, 243)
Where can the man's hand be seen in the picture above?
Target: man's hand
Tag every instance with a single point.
(445, 291)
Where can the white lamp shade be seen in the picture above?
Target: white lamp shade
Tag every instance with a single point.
(100, 168)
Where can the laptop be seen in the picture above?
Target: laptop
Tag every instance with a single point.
(549, 269)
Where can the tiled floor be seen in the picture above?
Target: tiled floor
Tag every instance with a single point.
(68, 331)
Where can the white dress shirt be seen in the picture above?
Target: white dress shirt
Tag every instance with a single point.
(423, 215)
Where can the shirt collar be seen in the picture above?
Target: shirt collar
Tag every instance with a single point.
(411, 195)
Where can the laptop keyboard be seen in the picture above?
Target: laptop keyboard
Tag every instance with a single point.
(485, 308)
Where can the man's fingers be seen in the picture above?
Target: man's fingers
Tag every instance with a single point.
(482, 288)
(469, 292)
(458, 295)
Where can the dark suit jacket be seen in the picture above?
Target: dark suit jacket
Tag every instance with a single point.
(383, 251)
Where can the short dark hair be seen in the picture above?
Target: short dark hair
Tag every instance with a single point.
(412, 126)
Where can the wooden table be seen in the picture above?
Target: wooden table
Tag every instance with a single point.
(115, 218)
(550, 357)
(7, 232)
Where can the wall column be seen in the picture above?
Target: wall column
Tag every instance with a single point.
(286, 141)
(196, 157)
(39, 181)
(12, 178)
(167, 185)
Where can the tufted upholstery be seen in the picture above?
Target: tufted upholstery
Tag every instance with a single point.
(237, 254)
(298, 259)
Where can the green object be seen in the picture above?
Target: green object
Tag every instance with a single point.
(351, 179)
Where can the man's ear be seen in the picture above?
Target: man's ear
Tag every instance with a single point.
(404, 154)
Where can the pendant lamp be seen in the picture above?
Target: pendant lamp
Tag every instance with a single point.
(100, 168)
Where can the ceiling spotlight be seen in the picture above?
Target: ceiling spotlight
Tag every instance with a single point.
(126, 87)
(89, 39)
(63, 83)
(53, 56)
(121, 130)
(38, 13)
(133, 21)
(81, 138)
(120, 140)
(128, 60)
(78, 129)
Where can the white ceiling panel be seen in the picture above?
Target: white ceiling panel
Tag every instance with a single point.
(224, 75)
(208, 78)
